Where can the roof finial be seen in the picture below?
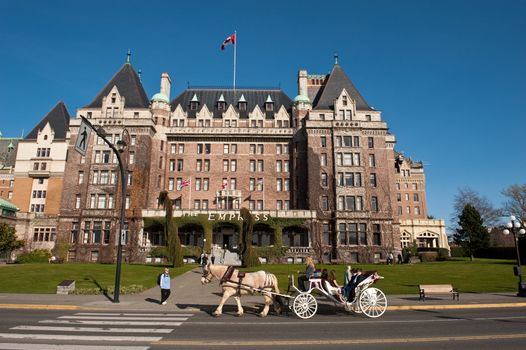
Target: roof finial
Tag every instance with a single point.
(128, 57)
(335, 58)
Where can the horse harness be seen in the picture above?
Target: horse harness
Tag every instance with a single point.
(227, 277)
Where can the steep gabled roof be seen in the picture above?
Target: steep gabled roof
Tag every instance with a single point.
(210, 97)
(338, 81)
(129, 86)
(58, 118)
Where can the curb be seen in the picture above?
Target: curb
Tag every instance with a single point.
(452, 307)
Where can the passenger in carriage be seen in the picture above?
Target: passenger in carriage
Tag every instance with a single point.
(332, 286)
(355, 281)
(303, 280)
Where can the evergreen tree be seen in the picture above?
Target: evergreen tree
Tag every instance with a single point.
(8, 241)
(471, 233)
(249, 256)
(171, 233)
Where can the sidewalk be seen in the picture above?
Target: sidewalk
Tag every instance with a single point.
(189, 295)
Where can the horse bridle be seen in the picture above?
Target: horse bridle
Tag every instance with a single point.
(206, 274)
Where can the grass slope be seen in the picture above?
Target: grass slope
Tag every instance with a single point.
(43, 278)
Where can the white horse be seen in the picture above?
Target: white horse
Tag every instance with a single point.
(235, 286)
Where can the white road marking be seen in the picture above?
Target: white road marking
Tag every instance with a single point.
(92, 329)
(129, 318)
(19, 346)
(78, 337)
(115, 323)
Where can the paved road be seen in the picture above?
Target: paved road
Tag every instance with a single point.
(427, 329)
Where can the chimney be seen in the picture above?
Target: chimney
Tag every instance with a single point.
(302, 82)
(165, 84)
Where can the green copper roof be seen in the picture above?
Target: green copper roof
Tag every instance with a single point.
(301, 98)
(242, 98)
(7, 205)
(160, 97)
(221, 98)
(269, 99)
(194, 99)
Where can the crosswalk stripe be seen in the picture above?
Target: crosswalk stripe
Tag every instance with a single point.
(20, 346)
(115, 323)
(130, 314)
(129, 318)
(78, 337)
(92, 329)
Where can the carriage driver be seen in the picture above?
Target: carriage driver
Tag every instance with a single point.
(309, 272)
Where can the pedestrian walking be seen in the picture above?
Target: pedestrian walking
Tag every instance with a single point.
(164, 282)
(213, 259)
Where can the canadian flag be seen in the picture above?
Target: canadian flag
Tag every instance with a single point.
(225, 185)
(230, 39)
(184, 183)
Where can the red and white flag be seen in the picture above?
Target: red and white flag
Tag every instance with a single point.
(230, 39)
(225, 185)
(183, 183)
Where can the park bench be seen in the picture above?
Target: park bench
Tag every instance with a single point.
(437, 289)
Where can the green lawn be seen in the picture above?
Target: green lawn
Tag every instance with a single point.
(481, 275)
(43, 278)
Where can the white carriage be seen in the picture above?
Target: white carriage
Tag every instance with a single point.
(368, 300)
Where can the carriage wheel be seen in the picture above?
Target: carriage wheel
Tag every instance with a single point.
(372, 302)
(304, 305)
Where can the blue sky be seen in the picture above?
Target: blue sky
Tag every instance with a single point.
(448, 75)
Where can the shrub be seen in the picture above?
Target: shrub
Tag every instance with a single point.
(428, 256)
(457, 252)
(131, 289)
(273, 254)
(443, 254)
(36, 256)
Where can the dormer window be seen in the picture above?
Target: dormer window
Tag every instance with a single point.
(242, 106)
(269, 104)
(194, 103)
(113, 98)
(344, 100)
(221, 105)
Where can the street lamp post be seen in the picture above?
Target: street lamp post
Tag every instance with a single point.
(118, 148)
(513, 225)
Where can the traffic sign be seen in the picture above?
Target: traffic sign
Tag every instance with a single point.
(83, 138)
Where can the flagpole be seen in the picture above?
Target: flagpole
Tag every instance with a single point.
(235, 45)
(190, 196)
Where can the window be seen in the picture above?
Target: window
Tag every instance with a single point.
(323, 141)
(374, 204)
(172, 165)
(92, 202)
(252, 148)
(372, 180)
(370, 142)
(252, 205)
(417, 210)
(326, 234)
(261, 167)
(199, 148)
(205, 204)
(81, 177)
(376, 234)
(225, 165)
(279, 166)
(286, 205)
(111, 202)
(226, 148)
(285, 149)
(279, 185)
(344, 100)
(130, 178)
(104, 177)
(343, 234)
(324, 180)
(372, 160)
(101, 201)
(233, 184)
(198, 165)
(74, 232)
(206, 182)
(415, 197)
(260, 205)
(260, 184)
(278, 149)
(406, 196)
(252, 184)
(198, 184)
(400, 210)
(324, 203)
(414, 186)
(207, 165)
(208, 148)
(323, 159)
(287, 185)
(77, 201)
(180, 164)
(279, 205)
(233, 165)
(171, 184)
(362, 234)
(398, 197)
(133, 140)
(261, 149)
(128, 202)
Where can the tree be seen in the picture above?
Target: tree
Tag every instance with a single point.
(490, 216)
(516, 201)
(249, 256)
(8, 241)
(471, 233)
(171, 233)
